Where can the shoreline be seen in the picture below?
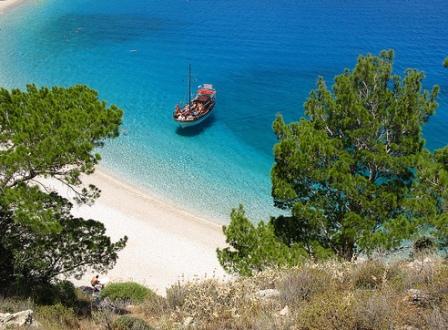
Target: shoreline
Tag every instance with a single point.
(166, 243)
(156, 198)
(6, 5)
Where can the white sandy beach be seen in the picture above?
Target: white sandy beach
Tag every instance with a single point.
(8, 4)
(166, 244)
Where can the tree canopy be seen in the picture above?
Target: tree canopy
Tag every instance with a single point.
(354, 174)
(51, 133)
(254, 247)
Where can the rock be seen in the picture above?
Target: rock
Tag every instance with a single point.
(419, 264)
(19, 319)
(106, 304)
(87, 289)
(418, 297)
(284, 311)
(268, 294)
(188, 321)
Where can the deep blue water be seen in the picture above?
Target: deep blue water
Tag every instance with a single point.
(263, 56)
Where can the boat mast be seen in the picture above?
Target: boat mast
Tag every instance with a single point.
(189, 86)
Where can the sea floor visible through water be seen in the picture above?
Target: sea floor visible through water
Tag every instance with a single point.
(262, 56)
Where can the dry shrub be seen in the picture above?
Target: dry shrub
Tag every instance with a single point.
(57, 317)
(420, 272)
(369, 275)
(329, 310)
(176, 294)
(437, 319)
(153, 306)
(340, 271)
(211, 302)
(14, 305)
(103, 319)
(374, 310)
(395, 277)
(415, 317)
(263, 317)
(301, 284)
(263, 280)
(211, 299)
(439, 282)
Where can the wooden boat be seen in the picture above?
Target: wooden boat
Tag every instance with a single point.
(199, 108)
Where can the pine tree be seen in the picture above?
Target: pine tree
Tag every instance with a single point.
(354, 174)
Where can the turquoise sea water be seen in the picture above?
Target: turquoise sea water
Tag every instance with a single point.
(263, 56)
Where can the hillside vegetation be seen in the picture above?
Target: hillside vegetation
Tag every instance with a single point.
(331, 295)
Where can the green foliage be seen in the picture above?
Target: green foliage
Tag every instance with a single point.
(48, 255)
(51, 134)
(126, 322)
(350, 172)
(353, 175)
(131, 291)
(445, 62)
(57, 317)
(254, 247)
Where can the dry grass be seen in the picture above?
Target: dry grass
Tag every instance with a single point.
(331, 295)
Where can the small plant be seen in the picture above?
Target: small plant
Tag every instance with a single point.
(126, 322)
(175, 295)
(57, 316)
(126, 291)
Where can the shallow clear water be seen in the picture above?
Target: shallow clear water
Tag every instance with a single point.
(263, 56)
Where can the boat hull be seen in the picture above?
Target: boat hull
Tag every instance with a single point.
(183, 123)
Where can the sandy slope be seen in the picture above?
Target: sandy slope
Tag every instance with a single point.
(165, 243)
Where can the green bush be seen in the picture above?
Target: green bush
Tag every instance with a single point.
(65, 293)
(57, 316)
(128, 291)
(126, 322)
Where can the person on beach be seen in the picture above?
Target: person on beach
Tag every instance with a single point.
(96, 283)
